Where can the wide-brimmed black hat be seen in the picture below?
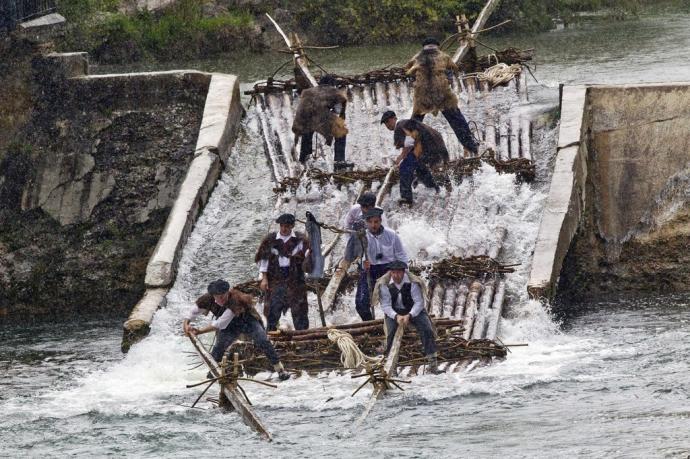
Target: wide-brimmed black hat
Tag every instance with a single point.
(286, 219)
(397, 265)
(388, 114)
(218, 287)
(430, 41)
(367, 199)
(373, 212)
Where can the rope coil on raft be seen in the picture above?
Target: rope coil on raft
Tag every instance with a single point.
(500, 73)
(350, 354)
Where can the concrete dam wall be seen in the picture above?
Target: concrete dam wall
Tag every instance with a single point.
(89, 181)
(620, 220)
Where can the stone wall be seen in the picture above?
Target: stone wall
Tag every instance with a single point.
(87, 185)
(634, 234)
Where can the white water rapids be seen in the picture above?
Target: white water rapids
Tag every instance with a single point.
(612, 381)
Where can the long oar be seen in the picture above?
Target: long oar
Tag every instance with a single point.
(231, 391)
(388, 368)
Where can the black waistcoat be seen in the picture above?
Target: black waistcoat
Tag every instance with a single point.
(407, 301)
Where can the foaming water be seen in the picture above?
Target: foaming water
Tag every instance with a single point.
(608, 378)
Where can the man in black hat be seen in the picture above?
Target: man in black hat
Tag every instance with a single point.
(322, 109)
(421, 146)
(283, 258)
(354, 221)
(383, 247)
(402, 296)
(432, 92)
(234, 314)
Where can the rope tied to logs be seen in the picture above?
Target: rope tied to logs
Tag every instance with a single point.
(351, 355)
(500, 73)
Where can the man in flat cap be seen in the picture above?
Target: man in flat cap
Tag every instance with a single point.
(422, 147)
(432, 92)
(283, 258)
(322, 109)
(383, 247)
(234, 314)
(403, 297)
(354, 221)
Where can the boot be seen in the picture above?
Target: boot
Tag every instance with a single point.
(282, 374)
(432, 365)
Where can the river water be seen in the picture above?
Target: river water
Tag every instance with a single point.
(609, 377)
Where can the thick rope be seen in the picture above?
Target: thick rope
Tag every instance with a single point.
(500, 73)
(350, 354)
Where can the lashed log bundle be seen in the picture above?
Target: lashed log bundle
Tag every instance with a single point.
(312, 351)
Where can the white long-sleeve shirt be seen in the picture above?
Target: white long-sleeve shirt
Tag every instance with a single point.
(219, 323)
(283, 262)
(388, 244)
(415, 291)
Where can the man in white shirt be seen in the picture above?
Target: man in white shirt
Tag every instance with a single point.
(234, 314)
(402, 297)
(383, 247)
(354, 221)
(283, 258)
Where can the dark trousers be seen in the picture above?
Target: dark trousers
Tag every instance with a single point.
(249, 325)
(280, 302)
(424, 328)
(306, 147)
(363, 296)
(410, 167)
(459, 125)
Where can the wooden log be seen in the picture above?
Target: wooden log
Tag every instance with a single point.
(436, 302)
(449, 301)
(285, 139)
(239, 403)
(495, 249)
(471, 308)
(479, 327)
(496, 310)
(381, 94)
(278, 173)
(526, 138)
(514, 137)
(490, 130)
(503, 150)
(522, 87)
(328, 297)
(478, 25)
(460, 300)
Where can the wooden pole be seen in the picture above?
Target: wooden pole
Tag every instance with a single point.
(471, 308)
(476, 27)
(232, 393)
(496, 310)
(484, 310)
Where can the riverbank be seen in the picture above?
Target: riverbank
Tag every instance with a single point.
(199, 29)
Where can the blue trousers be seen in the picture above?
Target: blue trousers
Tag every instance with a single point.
(410, 167)
(424, 328)
(363, 296)
(249, 325)
(459, 125)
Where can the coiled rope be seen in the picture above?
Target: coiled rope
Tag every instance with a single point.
(500, 73)
(350, 354)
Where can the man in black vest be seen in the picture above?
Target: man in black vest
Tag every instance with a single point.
(283, 258)
(234, 314)
(402, 297)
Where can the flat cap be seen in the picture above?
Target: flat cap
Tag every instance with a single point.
(286, 219)
(373, 212)
(397, 265)
(367, 199)
(218, 287)
(430, 41)
(388, 114)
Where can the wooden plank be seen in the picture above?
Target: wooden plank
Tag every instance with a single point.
(242, 407)
(477, 26)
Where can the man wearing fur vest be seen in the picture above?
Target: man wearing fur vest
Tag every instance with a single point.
(234, 314)
(322, 109)
(432, 91)
(402, 296)
(283, 258)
